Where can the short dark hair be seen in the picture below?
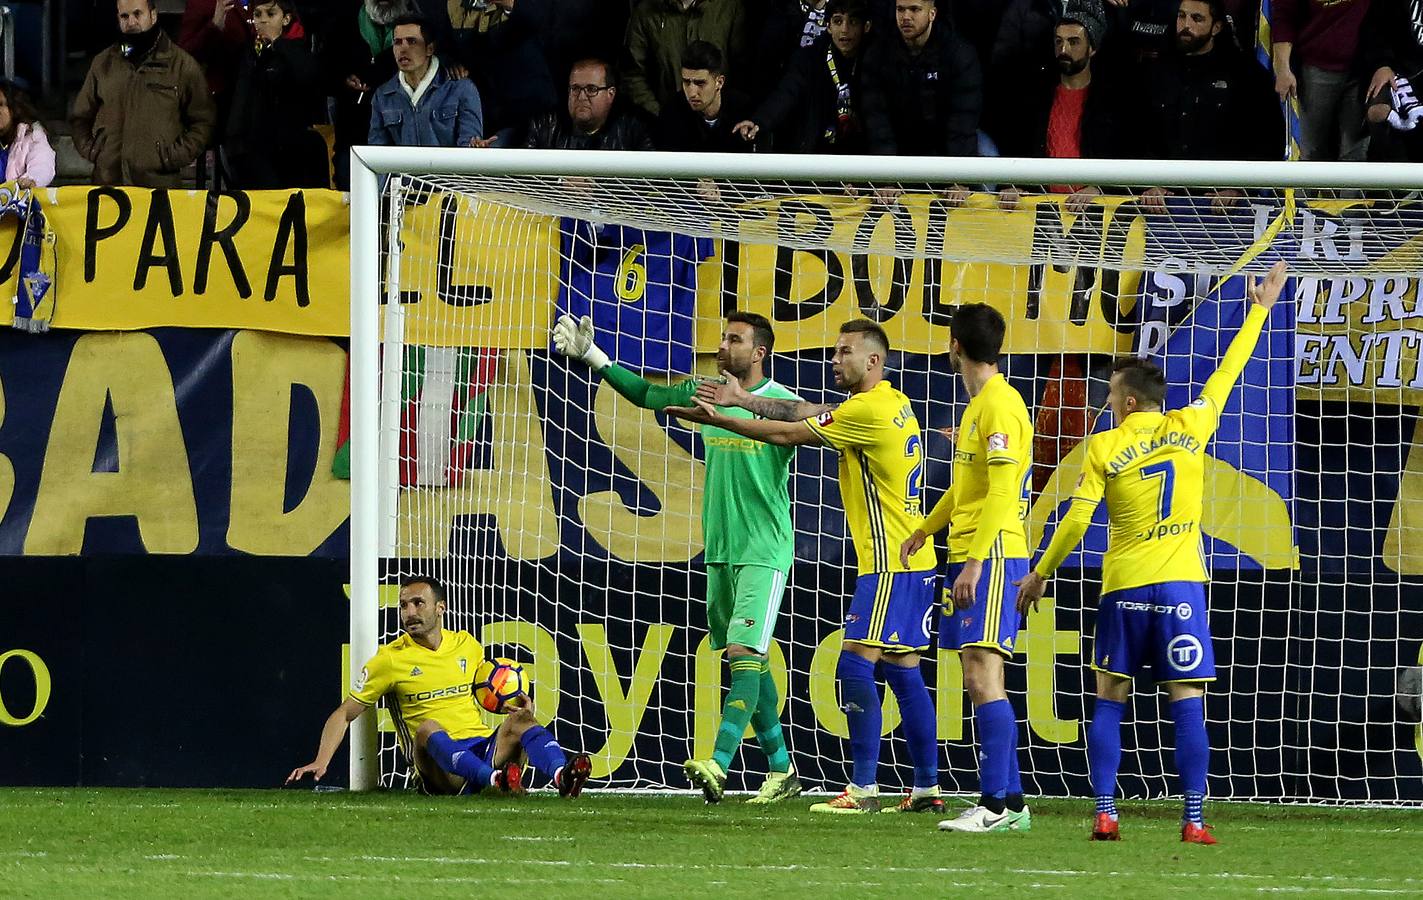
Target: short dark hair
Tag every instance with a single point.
(851, 9)
(436, 587)
(427, 32)
(979, 329)
(865, 326)
(761, 331)
(1142, 379)
(610, 71)
(704, 55)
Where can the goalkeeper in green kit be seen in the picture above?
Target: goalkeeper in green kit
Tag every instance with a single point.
(746, 520)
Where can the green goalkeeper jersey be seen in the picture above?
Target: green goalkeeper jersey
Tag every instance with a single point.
(746, 506)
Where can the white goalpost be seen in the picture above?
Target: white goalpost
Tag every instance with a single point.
(565, 521)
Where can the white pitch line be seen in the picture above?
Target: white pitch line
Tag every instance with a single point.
(897, 870)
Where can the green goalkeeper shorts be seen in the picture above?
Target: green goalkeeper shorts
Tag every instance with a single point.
(742, 604)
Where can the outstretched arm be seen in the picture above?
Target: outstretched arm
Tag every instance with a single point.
(768, 431)
(1262, 297)
(332, 734)
(574, 339)
(731, 393)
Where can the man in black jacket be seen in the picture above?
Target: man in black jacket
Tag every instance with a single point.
(704, 121)
(591, 122)
(816, 106)
(923, 91)
(1206, 99)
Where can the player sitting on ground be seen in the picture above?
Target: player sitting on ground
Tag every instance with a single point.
(887, 625)
(1152, 612)
(426, 675)
(984, 510)
(746, 519)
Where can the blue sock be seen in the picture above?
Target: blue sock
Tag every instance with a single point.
(1014, 793)
(1193, 753)
(1104, 752)
(468, 766)
(920, 721)
(544, 752)
(859, 698)
(996, 725)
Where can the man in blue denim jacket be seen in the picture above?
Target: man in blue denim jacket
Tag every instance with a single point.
(422, 106)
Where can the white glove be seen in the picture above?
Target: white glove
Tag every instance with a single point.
(574, 338)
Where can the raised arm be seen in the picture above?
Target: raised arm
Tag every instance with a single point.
(1262, 297)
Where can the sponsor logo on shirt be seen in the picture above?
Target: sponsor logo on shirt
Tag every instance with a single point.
(997, 442)
(360, 684)
(825, 418)
(453, 690)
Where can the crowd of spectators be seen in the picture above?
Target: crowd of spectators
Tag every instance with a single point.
(273, 93)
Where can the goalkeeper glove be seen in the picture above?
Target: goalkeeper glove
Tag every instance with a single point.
(574, 338)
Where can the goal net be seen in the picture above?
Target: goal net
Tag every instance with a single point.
(566, 521)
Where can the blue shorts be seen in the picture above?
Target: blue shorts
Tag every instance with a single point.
(445, 752)
(992, 621)
(1160, 628)
(893, 611)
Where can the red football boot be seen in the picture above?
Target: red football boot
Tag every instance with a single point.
(1192, 833)
(1105, 828)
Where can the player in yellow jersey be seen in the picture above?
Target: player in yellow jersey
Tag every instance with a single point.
(1152, 613)
(425, 675)
(984, 509)
(877, 436)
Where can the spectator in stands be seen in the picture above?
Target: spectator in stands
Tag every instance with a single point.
(1316, 55)
(658, 34)
(1207, 99)
(787, 27)
(269, 142)
(705, 120)
(357, 58)
(922, 88)
(1392, 47)
(816, 106)
(25, 154)
(144, 112)
(1063, 110)
(502, 41)
(215, 33)
(422, 106)
(1141, 30)
(1025, 35)
(592, 121)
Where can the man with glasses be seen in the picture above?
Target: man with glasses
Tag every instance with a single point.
(590, 121)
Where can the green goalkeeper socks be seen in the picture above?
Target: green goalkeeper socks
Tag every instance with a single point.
(767, 723)
(741, 701)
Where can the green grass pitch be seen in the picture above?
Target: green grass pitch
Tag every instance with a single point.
(170, 843)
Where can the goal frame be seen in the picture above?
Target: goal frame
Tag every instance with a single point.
(374, 489)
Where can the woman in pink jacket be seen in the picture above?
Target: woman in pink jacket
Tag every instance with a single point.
(25, 153)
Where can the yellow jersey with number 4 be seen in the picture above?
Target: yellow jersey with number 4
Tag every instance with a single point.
(1151, 469)
(420, 683)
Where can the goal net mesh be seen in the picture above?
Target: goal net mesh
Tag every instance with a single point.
(566, 521)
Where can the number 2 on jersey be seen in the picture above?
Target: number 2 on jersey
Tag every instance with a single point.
(1165, 472)
(914, 484)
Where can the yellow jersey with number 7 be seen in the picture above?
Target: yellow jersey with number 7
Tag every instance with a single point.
(1151, 468)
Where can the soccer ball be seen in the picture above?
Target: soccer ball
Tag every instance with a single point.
(498, 683)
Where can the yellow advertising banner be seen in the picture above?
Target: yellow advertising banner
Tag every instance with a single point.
(476, 272)
(906, 272)
(127, 259)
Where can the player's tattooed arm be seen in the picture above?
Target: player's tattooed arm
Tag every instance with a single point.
(728, 391)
